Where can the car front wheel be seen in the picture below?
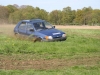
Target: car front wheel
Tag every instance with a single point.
(37, 39)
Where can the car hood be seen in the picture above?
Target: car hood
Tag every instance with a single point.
(51, 32)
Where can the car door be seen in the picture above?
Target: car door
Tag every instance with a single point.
(22, 28)
(29, 29)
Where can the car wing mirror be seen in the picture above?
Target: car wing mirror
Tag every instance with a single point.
(32, 30)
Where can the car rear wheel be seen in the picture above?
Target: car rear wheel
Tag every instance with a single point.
(17, 35)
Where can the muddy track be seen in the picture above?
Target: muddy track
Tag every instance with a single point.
(41, 64)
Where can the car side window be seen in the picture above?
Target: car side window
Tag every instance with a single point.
(29, 26)
(22, 26)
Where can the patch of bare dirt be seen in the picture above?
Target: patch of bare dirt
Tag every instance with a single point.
(7, 29)
(77, 27)
(42, 64)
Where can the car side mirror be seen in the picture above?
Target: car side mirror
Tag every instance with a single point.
(32, 30)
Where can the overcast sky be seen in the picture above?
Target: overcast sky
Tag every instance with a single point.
(50, 5)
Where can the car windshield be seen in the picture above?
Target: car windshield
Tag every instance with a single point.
(42, 25)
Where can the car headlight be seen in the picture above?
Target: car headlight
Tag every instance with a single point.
(64, 35)
(48, 37)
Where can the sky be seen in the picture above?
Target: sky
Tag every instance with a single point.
(50, 5)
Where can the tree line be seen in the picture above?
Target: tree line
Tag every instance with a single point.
(12, 14)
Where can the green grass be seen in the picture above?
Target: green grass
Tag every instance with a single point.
(80, 43)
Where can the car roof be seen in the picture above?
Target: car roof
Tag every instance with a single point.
(33, 20)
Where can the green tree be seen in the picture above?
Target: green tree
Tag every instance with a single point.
(40, 13)
(87, 13)
(68, 15)
(95, 17)
(43, 14)
(11, 8)
(55, 17)
(79, 17)
(3, 14)
(27, 12)
(84, 16)
(15, 17)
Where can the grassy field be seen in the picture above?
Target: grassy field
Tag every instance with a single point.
(78, 55)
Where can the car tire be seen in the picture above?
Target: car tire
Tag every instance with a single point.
(16, 35)
(38, 40)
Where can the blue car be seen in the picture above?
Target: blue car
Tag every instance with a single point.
(39, 29)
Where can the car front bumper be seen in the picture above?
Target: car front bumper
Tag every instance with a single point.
(57, 39)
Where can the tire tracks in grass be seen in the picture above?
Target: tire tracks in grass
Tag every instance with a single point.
(43, 64)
